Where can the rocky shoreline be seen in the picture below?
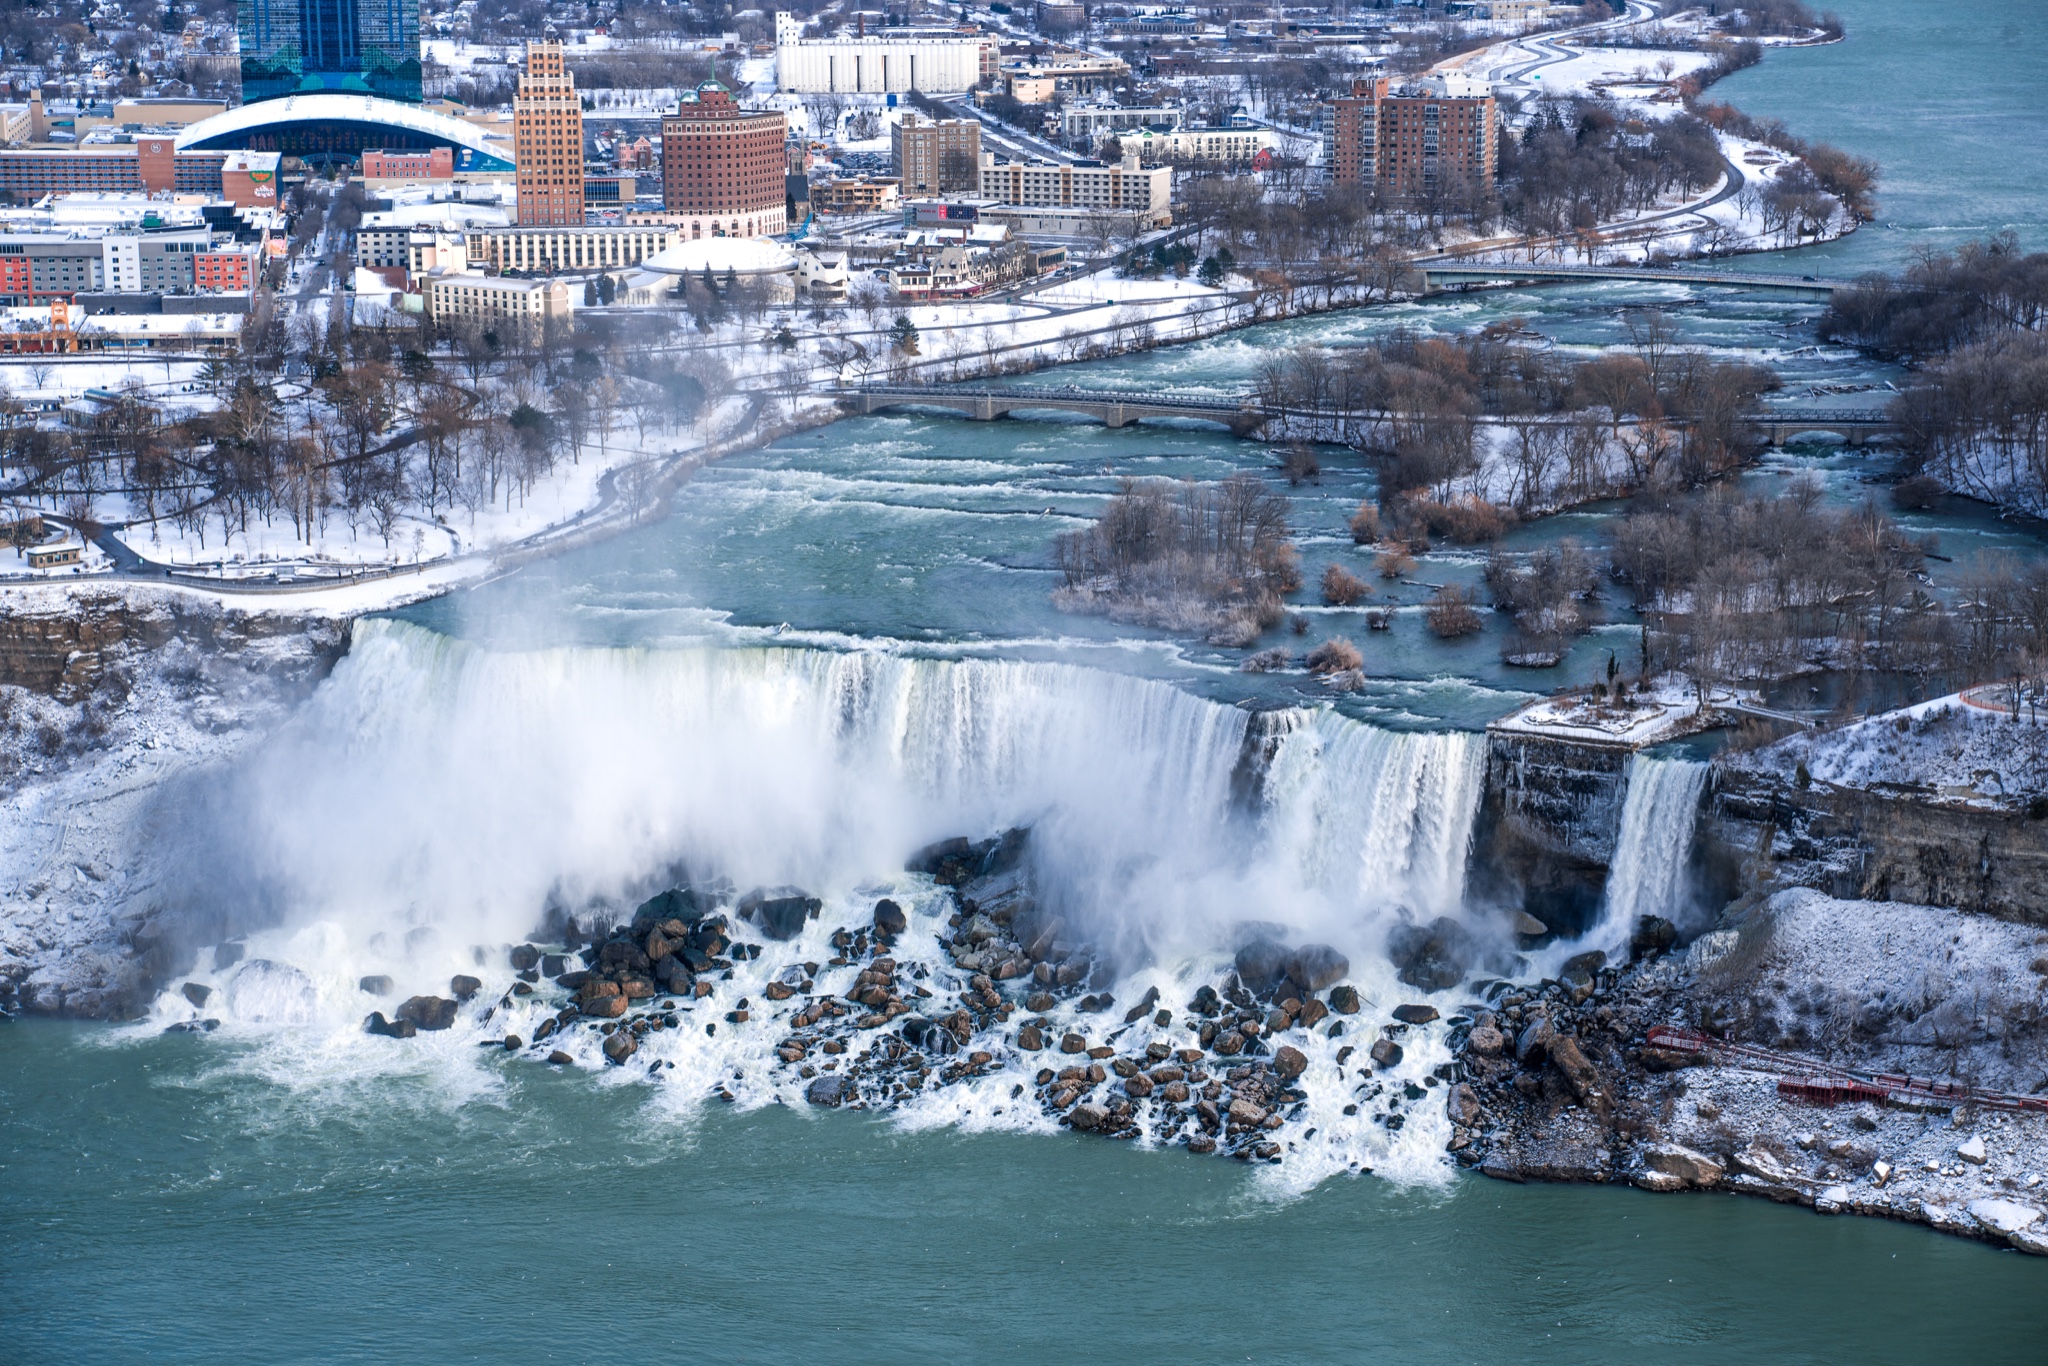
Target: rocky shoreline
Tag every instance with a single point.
(1562, 1084)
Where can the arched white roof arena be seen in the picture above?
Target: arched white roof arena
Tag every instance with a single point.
(327, 118)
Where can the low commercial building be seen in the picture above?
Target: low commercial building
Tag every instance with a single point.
(383, 168)
(566, 249)
(1036, 82)
(1225, 145)
(490, 302)
(143, 162)
(856, 195)
(1127, 187)
(1088, 123)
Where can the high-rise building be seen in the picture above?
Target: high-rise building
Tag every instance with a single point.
(1434, 134)
(547, 141)
(936, 158)
(721, 167)
(292, 47)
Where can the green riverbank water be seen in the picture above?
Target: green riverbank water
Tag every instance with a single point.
(190, 1199)
(157, 1206)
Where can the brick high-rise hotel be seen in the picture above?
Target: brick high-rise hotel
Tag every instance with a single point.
(722, 167)
(1432, 134)
(547, 141)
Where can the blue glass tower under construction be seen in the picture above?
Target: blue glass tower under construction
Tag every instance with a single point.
(291, 47)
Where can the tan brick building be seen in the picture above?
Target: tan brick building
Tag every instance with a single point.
(547, 140)
(931, 158)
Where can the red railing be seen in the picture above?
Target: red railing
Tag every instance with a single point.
(1823, 1083)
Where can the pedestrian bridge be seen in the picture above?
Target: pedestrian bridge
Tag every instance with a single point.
(1245, 414)
(1241, 415)
(1436, 275)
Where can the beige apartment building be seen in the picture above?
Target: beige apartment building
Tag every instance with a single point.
(1145, 192)
(494, 302)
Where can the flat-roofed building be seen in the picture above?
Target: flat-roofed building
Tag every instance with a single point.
(935, 156)
(490, 301)
(887, 62)
(1415, 138)
(1126, 187)
(586, 247)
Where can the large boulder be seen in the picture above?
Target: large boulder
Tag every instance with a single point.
(1462, 1105)
(1682, 1164)
(1289, 1062)
(780, 912)
(828, 1091)
(428, 1012)
(1534, 1044)
(1653, 935)
(1312, 967)
(1262, 965)
(687, 904)
(620, 1045)
(889, 918)
(390, 1029)
(463, 988)
(1580, 1074)
(1415, 1014)
(1088, 1115)
(1385, 1053)
(1433, 957)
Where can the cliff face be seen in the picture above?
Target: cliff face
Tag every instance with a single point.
(1854, 843)
(62, 646)
(1552, 811)
(113, 706)
(1546, 827)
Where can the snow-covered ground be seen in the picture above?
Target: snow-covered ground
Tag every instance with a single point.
(1666, 710)
(89, 786)
(1948, 748)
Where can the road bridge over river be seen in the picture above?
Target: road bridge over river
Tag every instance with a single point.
(1443, 271)
(1244, 414)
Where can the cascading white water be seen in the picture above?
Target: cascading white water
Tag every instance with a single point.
(436, 796)
(1652, 846)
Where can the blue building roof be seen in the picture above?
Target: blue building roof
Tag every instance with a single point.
(341, 124)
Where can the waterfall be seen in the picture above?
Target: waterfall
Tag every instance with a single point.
(1652, 846)
(438, 790)
(435, 796)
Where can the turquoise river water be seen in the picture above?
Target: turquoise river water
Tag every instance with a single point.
(835, 648)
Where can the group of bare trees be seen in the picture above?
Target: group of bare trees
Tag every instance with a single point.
(1975, 415)
(1655, 414)
(1581, 163)
(1744, 586)
(1209, 556)
(377, 436)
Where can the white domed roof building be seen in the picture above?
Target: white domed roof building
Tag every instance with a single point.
(748, 258)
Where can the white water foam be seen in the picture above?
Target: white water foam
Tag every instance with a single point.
(435, 796)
